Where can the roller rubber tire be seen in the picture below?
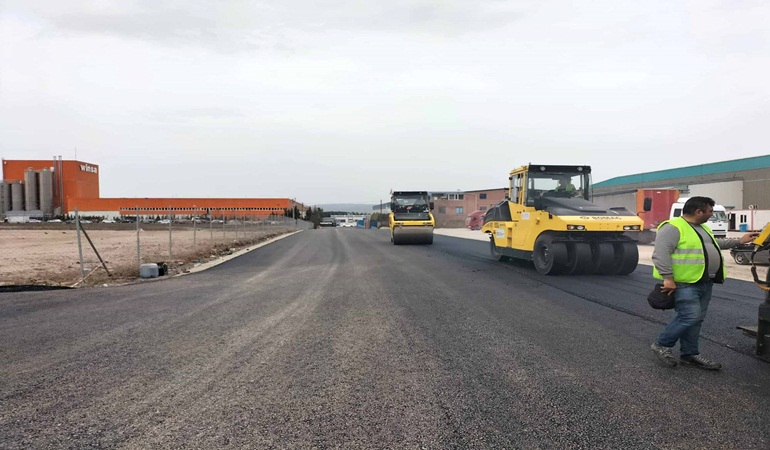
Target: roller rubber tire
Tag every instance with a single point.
(550, 258)
(580, 259)
(628, 257)
(603, 258)
(496, 255)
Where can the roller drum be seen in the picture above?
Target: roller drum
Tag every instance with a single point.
(413, 235)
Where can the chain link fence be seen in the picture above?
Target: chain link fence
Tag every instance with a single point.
(85, 253)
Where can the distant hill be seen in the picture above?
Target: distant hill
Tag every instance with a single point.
(349, 207)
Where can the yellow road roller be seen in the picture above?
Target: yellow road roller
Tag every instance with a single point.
(548, 218)
(411, 220)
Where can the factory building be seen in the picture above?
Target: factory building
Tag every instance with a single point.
(735, 184)
(741, 186)
(42, 189)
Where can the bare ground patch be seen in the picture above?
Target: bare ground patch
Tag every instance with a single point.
(50, 256)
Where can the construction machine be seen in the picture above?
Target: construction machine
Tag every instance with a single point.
(548, 218)
(411, 220)
(761, 243)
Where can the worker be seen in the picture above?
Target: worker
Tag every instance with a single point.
(687, 258)
(565, 185)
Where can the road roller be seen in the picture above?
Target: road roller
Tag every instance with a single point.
(761, 244)
(411, 220)
(548, 218)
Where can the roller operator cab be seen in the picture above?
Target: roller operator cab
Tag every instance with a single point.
(411, 220)
(549, 219)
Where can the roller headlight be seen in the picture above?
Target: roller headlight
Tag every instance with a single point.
(576, 227)
(631, 228)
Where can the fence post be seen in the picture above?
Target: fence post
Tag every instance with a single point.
(138, 243)
(169, 235)
(80, 247)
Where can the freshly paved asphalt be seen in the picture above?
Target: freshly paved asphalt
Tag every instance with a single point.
(334, 338)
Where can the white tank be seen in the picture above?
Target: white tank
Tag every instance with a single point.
(46, 191)
(17, 196)
(30, 185)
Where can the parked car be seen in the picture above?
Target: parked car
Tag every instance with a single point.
(164, 221)
(742, 254)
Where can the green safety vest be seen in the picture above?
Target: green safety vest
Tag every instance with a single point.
(689, 259)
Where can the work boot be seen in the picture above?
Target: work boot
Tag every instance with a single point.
(700, 362)
(664, 354)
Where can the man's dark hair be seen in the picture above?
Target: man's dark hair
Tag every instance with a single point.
(696, 203)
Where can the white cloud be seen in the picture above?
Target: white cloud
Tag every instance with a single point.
(353, 98)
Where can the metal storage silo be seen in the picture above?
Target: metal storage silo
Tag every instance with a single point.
(30, 185)
(6, 194)
(17, 196)
(46, 191)
(2, 197)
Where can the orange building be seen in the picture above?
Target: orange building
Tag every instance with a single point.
(73, 179)
(76, 185)
(170, 207)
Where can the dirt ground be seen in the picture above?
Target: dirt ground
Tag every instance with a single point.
(48, 255)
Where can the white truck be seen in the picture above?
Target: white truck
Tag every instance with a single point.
(718, 222)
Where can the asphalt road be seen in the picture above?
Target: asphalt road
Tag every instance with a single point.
(334, 338)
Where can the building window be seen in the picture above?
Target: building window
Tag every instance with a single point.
(456, 196)
(442, 209)
(482, 196)
(482, 208)
(459, 210)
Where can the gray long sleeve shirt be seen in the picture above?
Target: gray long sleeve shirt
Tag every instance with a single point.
(667, 238)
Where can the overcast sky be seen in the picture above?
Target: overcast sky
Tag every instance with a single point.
(330, 101)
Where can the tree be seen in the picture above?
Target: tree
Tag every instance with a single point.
(315, 216)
